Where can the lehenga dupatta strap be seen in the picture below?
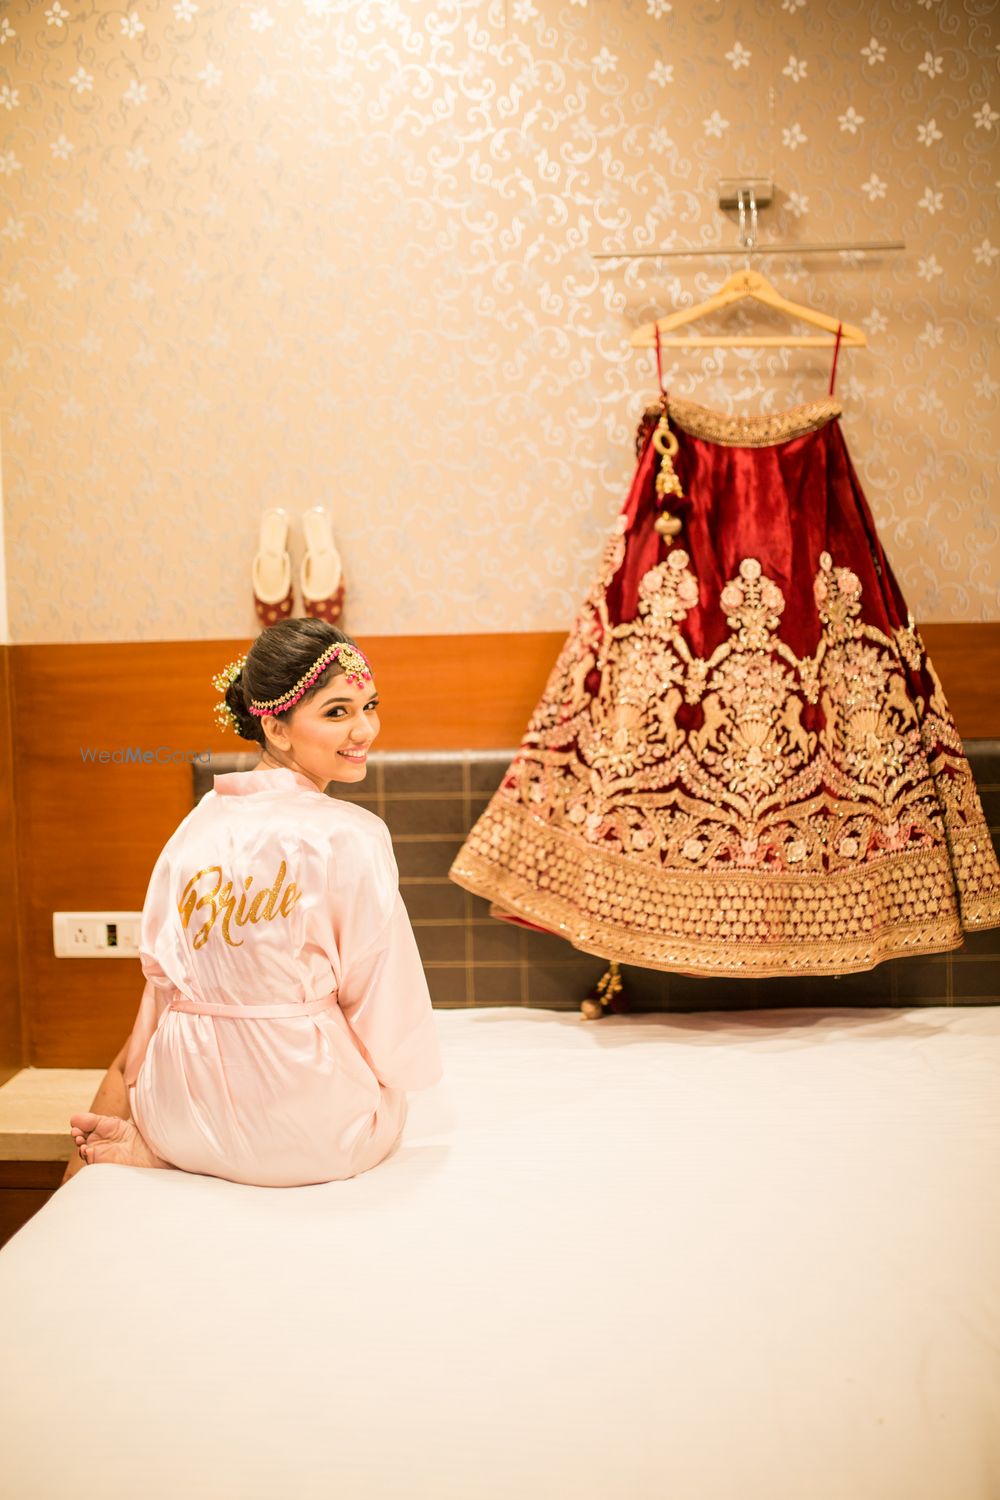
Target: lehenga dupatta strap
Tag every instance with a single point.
(836, 355)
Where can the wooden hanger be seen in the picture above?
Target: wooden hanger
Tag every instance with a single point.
(739, 286)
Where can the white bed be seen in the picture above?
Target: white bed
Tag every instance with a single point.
(691, 1257)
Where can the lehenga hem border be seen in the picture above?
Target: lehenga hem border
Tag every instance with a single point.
(701, 960)
(726, 921)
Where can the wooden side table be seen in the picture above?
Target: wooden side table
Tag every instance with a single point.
(35, 1141)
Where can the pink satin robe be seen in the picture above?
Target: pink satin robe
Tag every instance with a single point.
(285, 1011)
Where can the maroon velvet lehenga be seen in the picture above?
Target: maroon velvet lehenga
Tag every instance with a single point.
(743, 762)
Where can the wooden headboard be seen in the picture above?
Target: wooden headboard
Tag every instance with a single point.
(86, 834)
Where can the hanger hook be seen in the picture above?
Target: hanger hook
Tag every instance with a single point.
(748, 237)
(749, 240)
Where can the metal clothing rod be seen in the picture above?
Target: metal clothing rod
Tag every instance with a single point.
(743, 250)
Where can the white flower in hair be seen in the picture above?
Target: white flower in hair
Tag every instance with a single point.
(224, 716)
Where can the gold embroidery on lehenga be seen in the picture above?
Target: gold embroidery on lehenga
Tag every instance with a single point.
(753, 811)
(755, 431)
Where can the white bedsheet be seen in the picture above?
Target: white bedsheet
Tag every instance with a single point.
(691, 1257)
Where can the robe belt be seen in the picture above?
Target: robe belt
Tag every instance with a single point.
(255, 1012)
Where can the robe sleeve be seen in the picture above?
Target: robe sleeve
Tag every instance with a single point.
(159, 988)
(382, 992)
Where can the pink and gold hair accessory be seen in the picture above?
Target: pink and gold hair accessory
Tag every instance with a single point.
(356, 669)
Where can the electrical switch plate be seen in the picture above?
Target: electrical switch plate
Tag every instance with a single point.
(96, 934)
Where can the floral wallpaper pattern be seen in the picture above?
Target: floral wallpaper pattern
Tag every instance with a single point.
(310, 252)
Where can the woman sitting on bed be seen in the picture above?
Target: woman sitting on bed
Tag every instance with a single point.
(285, 1011)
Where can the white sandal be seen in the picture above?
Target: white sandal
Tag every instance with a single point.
(322, 572)
(272, 568)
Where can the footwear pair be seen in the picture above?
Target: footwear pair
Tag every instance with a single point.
(322, 580)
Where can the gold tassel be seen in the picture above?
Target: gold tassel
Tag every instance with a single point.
(667, 482)
(608, 988)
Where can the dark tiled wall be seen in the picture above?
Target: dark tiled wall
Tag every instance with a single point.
(430, 800)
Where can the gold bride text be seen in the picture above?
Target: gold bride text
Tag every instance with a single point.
(264, 906)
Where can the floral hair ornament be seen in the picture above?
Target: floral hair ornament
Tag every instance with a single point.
(354, 664)
(224, 716)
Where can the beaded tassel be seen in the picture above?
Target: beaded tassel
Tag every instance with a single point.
(667, 482)
(609, 992)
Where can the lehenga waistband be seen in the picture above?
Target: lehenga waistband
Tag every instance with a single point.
(255, 1012)
(757, 431)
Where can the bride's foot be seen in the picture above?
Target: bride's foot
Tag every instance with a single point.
(106, 1138)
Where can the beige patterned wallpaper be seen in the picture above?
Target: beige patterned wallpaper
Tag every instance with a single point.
(307, 251)
(4, 621)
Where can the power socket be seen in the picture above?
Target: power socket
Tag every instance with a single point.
(96, 934)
